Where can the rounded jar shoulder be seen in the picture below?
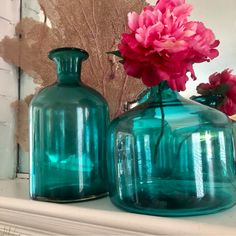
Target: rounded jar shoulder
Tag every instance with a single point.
(178, 114)
(73, 95)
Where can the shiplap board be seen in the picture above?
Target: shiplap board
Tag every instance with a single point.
(9, 16)
(9, 10)
(30, 8)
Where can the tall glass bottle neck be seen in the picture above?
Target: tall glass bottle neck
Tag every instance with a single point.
(68, 64)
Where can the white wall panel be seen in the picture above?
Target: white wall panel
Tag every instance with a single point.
(30, 8)
(9, 16)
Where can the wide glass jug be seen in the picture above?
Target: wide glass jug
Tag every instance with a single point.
(171, 156)
(68, 124)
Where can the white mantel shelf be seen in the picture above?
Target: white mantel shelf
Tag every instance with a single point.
(22, 216)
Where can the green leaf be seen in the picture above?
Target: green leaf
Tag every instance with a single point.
(193, 97)
(116, 53)
(221, 102)
(203, 91)
(221, 89)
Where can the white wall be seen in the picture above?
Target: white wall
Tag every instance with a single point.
(220, 16)
(9, 15)
(30, 8)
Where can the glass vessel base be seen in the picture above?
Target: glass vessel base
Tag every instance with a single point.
(67, 195)
(169, 198)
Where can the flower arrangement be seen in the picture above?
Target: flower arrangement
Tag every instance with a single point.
(162, 44)
(167, 136)
(221, 88)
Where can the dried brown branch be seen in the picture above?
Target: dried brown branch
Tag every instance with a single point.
(22, 121)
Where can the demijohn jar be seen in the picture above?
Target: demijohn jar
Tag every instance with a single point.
(68, 124)
(171, 156)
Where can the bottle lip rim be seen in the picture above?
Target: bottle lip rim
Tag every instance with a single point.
(62, 49)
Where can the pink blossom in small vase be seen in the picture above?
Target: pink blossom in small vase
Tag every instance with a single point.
(162, 44)
(222, 84)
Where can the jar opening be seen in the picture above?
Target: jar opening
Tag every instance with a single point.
(70, 50)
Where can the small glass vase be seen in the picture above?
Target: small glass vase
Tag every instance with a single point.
(68, 125)
(171, 156)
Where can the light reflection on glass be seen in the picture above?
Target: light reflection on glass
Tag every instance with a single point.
(148, 155)
(198, 172)
(80, 122)
(139, 156)
(209, 156)
(222, 151)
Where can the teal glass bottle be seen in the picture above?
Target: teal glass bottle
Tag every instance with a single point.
(171, 156)
(139, 100)
(68, 125)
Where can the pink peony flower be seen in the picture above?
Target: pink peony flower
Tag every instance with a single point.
(163, 45)
(222, 84)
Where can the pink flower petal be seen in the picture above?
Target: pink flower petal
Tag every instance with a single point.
(215, 81)
(150, 77)
(164, 45)
(133, 20)
(133, 68)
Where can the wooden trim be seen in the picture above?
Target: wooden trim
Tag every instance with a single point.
(99, 217)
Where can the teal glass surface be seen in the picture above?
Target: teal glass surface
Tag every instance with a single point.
(209, 100)
(140, 99)
(68, 125)
(171, 156)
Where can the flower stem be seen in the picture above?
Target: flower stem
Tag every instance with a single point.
(162, 122)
